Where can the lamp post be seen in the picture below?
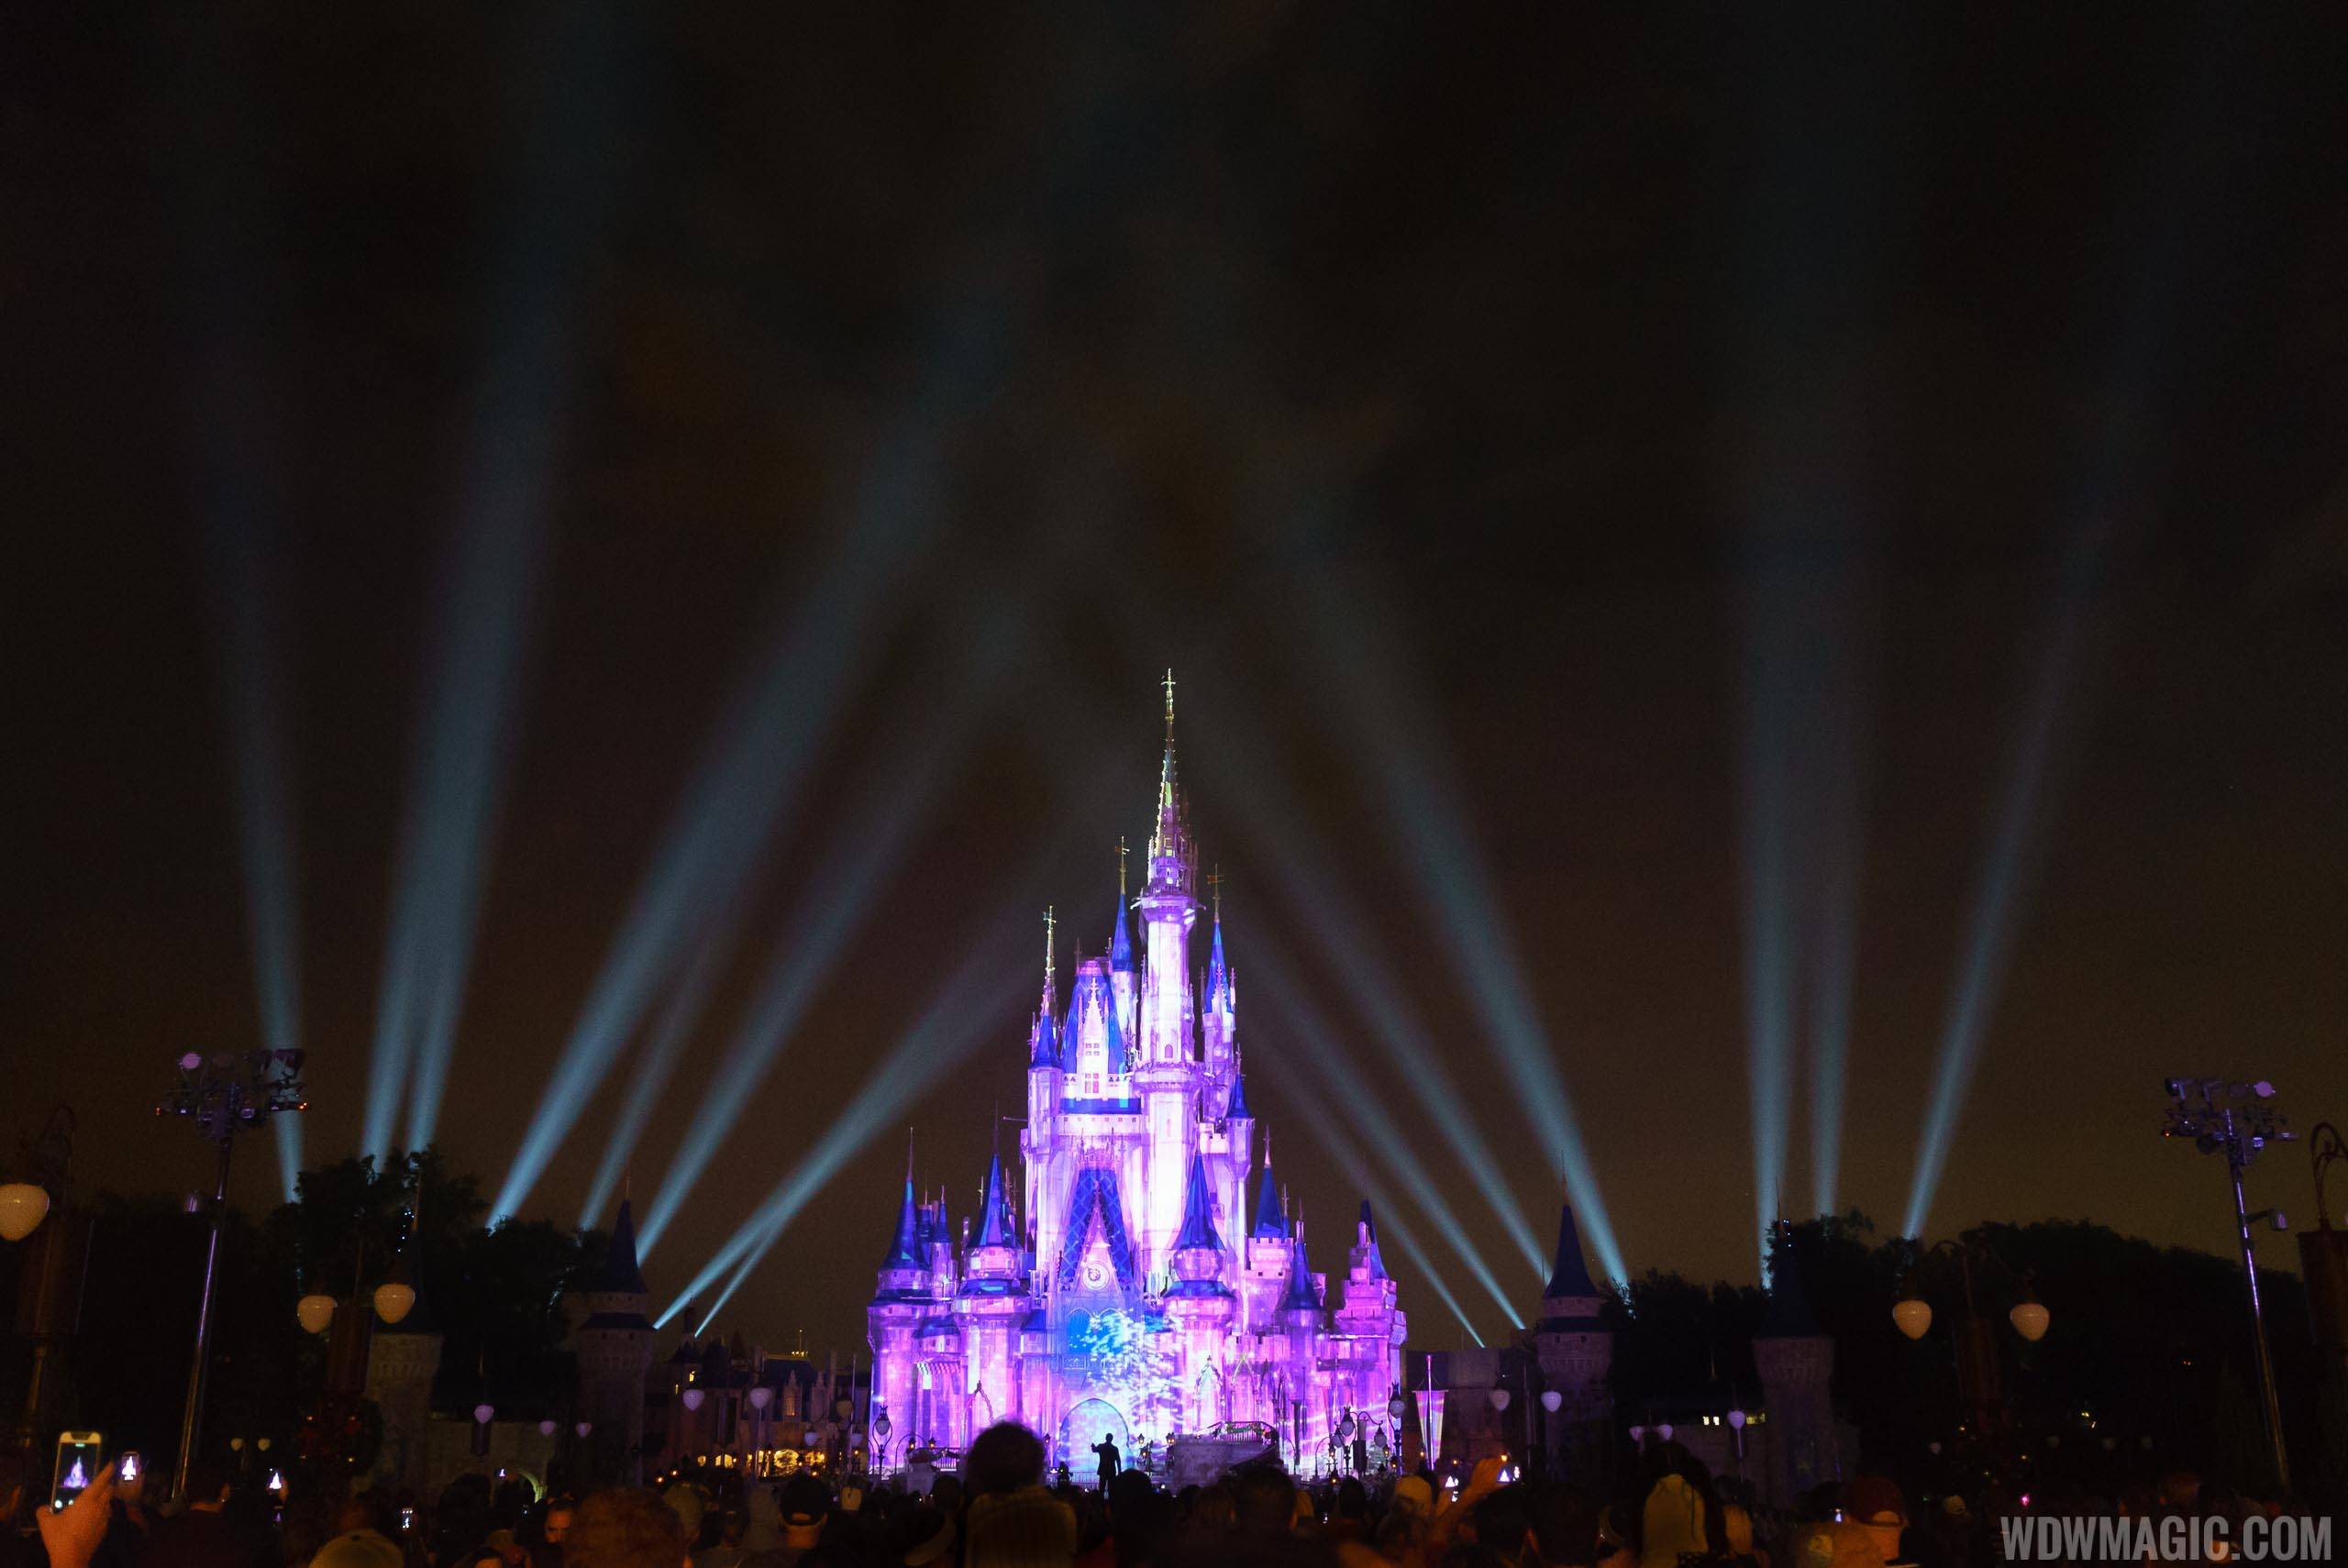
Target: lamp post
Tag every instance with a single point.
(225, 1094)
(2238, 1120)
(49, 1289)
(1979, 1385)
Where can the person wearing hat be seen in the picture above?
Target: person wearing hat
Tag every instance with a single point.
(1874, 1503)
(802, 1509)
(929, 1537)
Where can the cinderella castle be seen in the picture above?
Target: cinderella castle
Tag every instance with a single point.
(1143, 1279)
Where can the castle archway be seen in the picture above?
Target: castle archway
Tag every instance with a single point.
(1083, 1426)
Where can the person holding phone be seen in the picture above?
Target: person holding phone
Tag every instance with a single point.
(74, 1533)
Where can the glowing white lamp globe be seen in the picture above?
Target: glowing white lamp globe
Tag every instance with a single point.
(810, 1437)
(1499, 1398)
(693, 1398)
(545, 1428)
(1551, 1400)
(484, 1414)
(23, 1206)
(761, 1397)
(1736, 1420)
(315, 1312)
(1913, 1316)
(1638, 1434)
(1664, 1432)
(583, 1428)
(394, 1300)
(2030, 1319)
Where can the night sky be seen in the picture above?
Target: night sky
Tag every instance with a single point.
(1538, 342)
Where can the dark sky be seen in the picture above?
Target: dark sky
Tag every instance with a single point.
(1534, 321)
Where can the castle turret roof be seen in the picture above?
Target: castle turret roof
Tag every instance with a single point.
(1270, 1220)
(1197, 1233)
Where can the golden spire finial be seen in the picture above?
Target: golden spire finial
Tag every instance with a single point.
(1121, 873)
(1168, 684)
(1050, 927)
(1214, 890)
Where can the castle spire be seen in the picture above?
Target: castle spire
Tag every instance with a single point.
(622, 1274)
(1271, 1221)
(1043, 1042)
(1197, 1233)
(1218, 973)
(1170, 868)
(905, 1249)
(994, 1225)
(1300, 1297)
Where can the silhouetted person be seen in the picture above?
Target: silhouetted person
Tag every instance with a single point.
(1107, 1450)
(631, 1527)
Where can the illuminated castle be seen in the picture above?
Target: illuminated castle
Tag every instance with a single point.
(1136, 1290)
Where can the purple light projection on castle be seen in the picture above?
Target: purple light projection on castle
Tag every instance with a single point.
(1135, 1290)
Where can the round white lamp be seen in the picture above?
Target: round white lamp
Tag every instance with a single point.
(394, 1300)
(23, 1206)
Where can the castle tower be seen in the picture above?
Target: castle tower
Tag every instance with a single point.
(900, 1303)
(1796, 1362)
(402, 1359)
(1227, 1178)
(991, 1305)
(1220, 1026)
(1166, 1076)
(1123, 979)
(1044, 1080)
(1200, 1306)
(1265, 1280)
(1576, 1352)
(614, 1347)
(1301, 1323)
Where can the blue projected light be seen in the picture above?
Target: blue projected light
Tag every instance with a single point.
(562, 189)
(730, 813)
(1378, 1125)
(658, 1063)
(264, 824)
(1991, 929)
(1308, 878)
(981, 996)
(1764, 799)
(1349, 1156)
(1798, 826)
(899, 791)
(1394, 735)
(1833, 963)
